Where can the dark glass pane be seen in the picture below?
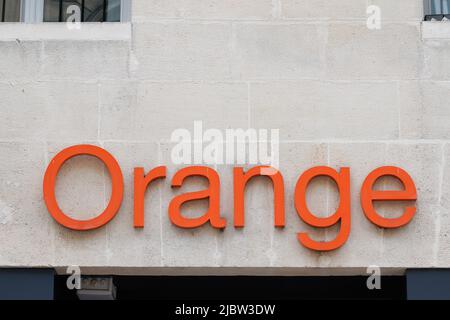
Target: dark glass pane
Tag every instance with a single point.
(12, 11)
(94, 10)
(66, 5)
(51, 10)
(56, 10)
(113, 11)
(1, 10)
(440, 6)
(435, 6)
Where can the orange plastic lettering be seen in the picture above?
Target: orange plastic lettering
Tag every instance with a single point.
(116, 193)
(240, 182)
(213, 193)
(141, 182)
(342, 214)
(368, 195)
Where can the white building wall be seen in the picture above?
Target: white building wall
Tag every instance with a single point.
(341, 95)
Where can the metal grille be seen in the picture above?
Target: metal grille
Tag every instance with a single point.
(90, 10)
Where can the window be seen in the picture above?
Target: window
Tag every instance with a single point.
(440, 6)
(90, 10)
(437, 10)
(9, 10)
(35, 11)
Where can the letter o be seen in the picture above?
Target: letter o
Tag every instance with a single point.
(116, 194)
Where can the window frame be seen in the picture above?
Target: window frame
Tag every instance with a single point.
(32, 11)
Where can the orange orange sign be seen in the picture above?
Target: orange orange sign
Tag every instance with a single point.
(241, 178)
